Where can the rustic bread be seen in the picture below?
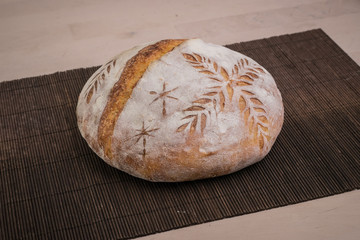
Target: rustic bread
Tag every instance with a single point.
(180, 110)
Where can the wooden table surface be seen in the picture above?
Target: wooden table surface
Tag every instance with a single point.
(44, 36)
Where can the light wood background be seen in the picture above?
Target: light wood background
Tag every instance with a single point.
(44, 36)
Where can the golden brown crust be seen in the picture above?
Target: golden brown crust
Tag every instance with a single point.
(223, 114)
(122, 90)
(248, 101)
(153, 169)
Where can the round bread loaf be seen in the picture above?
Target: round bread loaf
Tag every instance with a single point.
(180, 110)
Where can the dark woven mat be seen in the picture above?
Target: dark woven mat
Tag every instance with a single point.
(53, 186)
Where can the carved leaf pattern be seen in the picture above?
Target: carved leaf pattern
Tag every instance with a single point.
(243, 74)
(98, 79)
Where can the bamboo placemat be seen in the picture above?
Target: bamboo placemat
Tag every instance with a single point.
(53, 186)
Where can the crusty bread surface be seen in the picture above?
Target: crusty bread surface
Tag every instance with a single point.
(180, 110)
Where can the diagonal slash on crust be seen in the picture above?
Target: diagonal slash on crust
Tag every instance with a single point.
(122, 90)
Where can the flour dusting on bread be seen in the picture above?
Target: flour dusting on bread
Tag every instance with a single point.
(199, 111)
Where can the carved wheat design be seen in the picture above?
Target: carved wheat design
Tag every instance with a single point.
(242, 75)
(98, 79)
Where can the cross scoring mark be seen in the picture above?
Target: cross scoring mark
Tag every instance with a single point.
(144, 133)
(163, 95)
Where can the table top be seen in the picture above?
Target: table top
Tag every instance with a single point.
(40, 37)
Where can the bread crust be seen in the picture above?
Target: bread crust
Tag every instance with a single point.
(121, 92)
(180, 110)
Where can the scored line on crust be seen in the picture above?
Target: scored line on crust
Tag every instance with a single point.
(133, 71)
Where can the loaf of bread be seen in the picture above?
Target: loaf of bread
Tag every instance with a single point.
(180, 110)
